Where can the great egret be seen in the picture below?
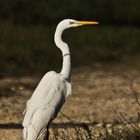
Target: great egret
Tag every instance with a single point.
(51, 92)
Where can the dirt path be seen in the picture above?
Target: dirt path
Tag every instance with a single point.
(100, 94)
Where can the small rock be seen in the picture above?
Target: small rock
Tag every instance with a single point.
(100, 124)
(109, 125)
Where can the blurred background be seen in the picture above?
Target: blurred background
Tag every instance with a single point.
(105, 63)
(27, 28)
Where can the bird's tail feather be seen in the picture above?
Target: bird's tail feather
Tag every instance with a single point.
(25, 133)
(29, 133)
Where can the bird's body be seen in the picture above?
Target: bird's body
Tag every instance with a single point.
(51, 92)
(45, 103)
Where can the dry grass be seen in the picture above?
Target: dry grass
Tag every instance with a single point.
(104, 105)
(109, 132)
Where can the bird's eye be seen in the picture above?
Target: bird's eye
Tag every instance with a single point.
(71, 22)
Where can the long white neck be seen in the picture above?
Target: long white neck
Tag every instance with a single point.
(66, 67)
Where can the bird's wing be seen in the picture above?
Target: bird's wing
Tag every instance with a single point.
(45, 102)
(42, 92)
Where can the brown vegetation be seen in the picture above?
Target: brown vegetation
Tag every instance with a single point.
(104, 105)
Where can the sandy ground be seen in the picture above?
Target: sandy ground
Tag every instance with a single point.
(100, 94)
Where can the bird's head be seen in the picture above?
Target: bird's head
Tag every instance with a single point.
(65, 24)
(68, 23)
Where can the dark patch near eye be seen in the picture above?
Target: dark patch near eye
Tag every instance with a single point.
(71, 22)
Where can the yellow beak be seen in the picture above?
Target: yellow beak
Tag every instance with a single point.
(86, 22)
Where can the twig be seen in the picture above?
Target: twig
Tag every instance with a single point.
(135, 92)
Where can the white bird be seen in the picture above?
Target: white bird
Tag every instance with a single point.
(51, 92)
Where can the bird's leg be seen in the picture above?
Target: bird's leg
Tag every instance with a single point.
(46, 137)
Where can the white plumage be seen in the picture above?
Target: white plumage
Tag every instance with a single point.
(51, 92)
(44, 104)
